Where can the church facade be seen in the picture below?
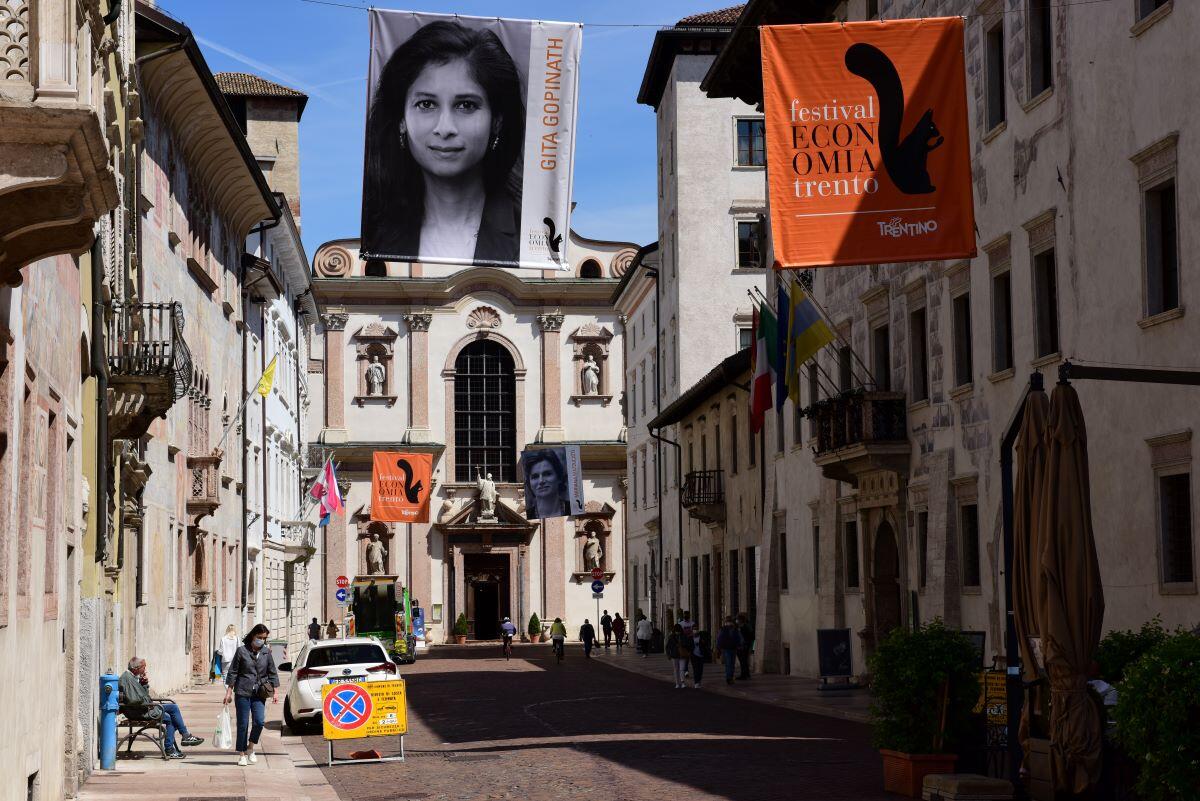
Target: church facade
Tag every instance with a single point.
(472, 366)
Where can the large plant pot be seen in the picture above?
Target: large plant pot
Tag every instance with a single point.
(460, 639)
(535, 637)
(905, 773)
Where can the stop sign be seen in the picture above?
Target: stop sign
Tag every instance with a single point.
(342, 582)
(597, 574)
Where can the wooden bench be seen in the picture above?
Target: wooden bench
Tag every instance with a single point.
(137, 725)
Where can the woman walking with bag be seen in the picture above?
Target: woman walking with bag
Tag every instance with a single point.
(250, 680)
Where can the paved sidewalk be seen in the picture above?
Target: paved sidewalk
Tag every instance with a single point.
(285, 771)
(789, 692)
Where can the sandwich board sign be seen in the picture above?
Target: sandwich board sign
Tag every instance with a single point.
(353, 710)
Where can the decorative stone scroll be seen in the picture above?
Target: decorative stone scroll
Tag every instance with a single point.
(483, 318)
(333, 261)
(590, 346)
(375, 345)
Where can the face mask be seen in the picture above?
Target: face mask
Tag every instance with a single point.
(258, 643)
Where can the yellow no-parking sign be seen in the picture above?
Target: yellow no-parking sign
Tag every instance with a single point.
(370, 709)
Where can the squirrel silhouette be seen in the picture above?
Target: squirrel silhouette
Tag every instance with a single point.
(411, 491)
(904, 159)
(555, 241)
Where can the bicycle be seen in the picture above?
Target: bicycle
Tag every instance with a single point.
(506, 648)
(559, 649)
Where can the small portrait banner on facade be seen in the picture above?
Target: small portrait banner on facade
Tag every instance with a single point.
(400, 487)
(553, 482)
(868, 155)
(470, 139)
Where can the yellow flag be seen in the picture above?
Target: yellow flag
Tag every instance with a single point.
(268, 378)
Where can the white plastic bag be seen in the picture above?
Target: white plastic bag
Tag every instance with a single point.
(223, 737)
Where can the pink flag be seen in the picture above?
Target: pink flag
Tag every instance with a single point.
(325, 489)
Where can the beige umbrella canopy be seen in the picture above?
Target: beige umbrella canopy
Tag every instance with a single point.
(1071, 608)
(1031, 470)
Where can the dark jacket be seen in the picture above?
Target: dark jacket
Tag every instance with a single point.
(136, 697)
(250, 670)
(729, 639)
(587, 632)
(498, 240)
(747, 632)
(606, 623)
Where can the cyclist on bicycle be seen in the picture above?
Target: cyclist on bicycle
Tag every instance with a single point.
(507, 632)
(558, 636)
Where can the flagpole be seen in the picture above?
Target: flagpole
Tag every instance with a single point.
(838, 336)
(831, 386)
(234, 419)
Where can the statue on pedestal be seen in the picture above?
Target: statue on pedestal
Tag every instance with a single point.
(376, 374)
(487, 495)
(376, 556)
(591, 377)
(593, 552)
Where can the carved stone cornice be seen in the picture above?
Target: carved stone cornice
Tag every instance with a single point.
(550, 322)
(418, 322)
(335, 321)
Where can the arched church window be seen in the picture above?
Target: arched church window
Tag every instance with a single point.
(485, 412)
(591, 269)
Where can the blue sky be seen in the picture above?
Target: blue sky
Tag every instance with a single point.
(322, 50)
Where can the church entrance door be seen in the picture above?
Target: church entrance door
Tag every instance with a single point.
(487, 577)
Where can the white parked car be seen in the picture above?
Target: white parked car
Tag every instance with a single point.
(320, 662)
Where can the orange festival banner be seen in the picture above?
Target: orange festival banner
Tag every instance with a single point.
(868, 155)
(400, 487)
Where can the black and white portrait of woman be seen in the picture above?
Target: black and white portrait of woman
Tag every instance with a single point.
(547, 491)
(445, 136)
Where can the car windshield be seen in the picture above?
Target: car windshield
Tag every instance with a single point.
(346, 655)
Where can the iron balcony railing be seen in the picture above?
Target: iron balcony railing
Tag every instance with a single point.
(703, 488)
(859, 418)
(146, 340)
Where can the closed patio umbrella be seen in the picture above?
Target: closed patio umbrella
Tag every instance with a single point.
(1027, 495)
(1071, 614)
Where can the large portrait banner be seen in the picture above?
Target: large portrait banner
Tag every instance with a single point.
(470, 139)
(553, 482)
(868, 153)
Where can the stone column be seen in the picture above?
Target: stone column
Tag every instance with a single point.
(459, 589)
(422, 578)
(552, 428)
(335, 565)
(335, 379)
(418, 377)
(201, 593)
(555, 578)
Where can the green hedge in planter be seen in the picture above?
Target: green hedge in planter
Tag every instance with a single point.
(535, 626)
(915, 673)
(461, 626)
(1158, 718)
(1120, 649)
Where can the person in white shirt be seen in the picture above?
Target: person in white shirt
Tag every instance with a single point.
(644, 632)
(228, 647)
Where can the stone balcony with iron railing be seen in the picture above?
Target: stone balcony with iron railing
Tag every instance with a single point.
(704, 495)
(55, 138)
(205, 486)
(149, 364)
(859, 431)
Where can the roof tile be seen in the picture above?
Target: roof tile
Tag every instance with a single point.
(721, 17)
(243, 84)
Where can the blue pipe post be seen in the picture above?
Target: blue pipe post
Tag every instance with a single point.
(109, 702)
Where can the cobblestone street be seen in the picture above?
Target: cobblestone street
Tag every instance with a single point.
(483, 728)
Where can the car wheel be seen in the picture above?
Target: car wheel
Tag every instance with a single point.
(287, 716)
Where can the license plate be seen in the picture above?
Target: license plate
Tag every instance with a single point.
(347, 679)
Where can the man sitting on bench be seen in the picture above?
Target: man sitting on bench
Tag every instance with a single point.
(135, 692)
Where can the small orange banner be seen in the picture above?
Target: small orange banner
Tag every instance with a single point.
(400, 487)
(868, 153)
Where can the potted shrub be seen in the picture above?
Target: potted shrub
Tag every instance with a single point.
(1158, 707)
(924, 684)
(461, 629)
(534, 629)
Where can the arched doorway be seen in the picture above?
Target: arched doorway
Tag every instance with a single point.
(885, 581)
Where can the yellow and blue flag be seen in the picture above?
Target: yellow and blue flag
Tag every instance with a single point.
(808, 333)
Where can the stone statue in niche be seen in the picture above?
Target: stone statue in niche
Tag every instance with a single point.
(593, 552)
(591, 377)
(376, 375)
(376, 555)
(487, 495)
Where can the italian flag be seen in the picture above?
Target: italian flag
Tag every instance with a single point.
(765, 331)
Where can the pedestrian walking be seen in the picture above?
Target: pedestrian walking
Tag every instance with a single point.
(587, 635)
(226, 648)
(618, 627)
(701, 656)
(678, 651)
(314, 630)
(331, 631)
(746, 630)
(644, 633)
(606, 622)
(729, 639)
(249, 682)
